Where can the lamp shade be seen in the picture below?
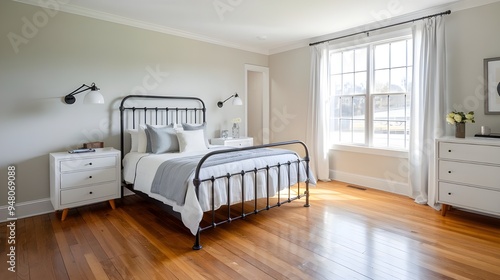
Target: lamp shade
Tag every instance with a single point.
(237, 101)
(93, 97)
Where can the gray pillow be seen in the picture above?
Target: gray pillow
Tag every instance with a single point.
(162, 139)
(187, 126)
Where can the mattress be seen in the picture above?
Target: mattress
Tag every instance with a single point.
(140, 169)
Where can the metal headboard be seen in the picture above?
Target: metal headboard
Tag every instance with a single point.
(133, 116)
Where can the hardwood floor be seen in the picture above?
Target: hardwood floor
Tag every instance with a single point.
(347, 233)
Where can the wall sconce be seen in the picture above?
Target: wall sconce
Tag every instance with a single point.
(236, 101)
(93, 97)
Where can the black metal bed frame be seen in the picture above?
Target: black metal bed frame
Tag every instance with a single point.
(197, 114)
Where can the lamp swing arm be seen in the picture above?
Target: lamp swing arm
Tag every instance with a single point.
(77, 91)
(70, 98)
(221, 103)
(234, 95)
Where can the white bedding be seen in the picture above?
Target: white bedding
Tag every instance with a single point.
(140, 169)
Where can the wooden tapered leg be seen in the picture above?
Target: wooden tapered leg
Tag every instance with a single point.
(444, 209)
(112, 204)
(64, 214)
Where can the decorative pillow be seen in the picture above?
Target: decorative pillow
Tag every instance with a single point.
(203, 127)
(162, 139)
(134, 139)
(191, 140)
(142, 140)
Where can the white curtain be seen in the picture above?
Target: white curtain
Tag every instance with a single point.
(428, 106)
(317, 115)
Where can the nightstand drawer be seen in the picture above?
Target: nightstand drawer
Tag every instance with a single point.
(461, 172)
(233, 142)
(87, 163)
(470, 152)
(81, 178)
(88, 193)
(469, 197)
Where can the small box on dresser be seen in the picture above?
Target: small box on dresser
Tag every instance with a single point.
(84, 178)
(468, 174)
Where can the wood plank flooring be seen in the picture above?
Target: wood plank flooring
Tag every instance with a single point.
(347, 233)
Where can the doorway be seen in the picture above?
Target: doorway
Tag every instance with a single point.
(257, 104)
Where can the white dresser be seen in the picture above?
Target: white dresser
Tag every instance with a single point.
(233, 142)
(84, 178)
(468, 174)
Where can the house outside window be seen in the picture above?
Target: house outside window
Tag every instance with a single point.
(370, 92)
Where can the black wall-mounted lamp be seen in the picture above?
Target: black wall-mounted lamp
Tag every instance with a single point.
(236, 101)
(93, 97)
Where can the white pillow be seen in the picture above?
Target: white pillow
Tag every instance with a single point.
(142, 140)
(203, 126)
(134, 139)
(191, 140)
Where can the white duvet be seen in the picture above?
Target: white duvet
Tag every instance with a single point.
(140, 169)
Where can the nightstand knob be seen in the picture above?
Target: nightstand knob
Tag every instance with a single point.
(449, 151)
(90, 192)
(449, 193)
(90, 163)
(90, 177)
(449, 172)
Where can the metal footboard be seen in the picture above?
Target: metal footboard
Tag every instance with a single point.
(197, 181)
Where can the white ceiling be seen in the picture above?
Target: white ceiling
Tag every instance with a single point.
(262, 26)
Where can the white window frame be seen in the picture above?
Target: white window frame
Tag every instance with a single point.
(367, 148)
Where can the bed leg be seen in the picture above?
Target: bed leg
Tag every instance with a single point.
(307, 194)
(197, 245)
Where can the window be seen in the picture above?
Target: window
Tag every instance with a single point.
(370, 89)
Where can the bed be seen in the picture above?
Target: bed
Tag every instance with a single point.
(166, 158)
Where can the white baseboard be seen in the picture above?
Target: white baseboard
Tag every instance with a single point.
(27, 209)
(371, 182)
(34, 207)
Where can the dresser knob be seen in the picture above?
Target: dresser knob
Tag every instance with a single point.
(90, 192)
(449, 172)
(90, 163)
(90, 177)
(449, 193)
(449, 151)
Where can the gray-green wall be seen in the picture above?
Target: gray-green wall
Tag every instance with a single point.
(45, 55)
(472, 35)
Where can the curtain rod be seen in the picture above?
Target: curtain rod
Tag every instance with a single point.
(378, 28)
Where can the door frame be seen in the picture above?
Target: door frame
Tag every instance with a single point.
(265, 99)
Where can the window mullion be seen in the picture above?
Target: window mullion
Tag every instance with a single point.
(368, 97)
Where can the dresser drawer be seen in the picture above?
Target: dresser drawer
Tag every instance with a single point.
(81, 178)
(87, 163)
(84, 194)
(469, 197)
(470, 173)
(470, 152)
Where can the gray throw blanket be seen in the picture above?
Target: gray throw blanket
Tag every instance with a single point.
(171, 178)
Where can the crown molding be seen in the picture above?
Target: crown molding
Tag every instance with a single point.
(64, 6)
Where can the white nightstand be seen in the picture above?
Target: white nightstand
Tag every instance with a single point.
(233, 142)
(84, 178)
